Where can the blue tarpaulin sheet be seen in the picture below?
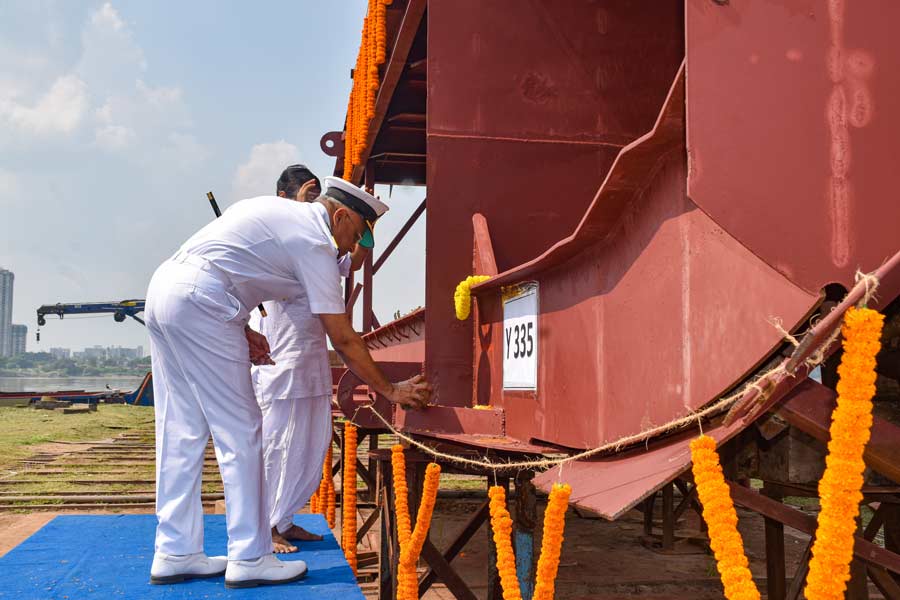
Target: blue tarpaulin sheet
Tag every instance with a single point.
(109, 556)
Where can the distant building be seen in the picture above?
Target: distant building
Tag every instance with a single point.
(6, 301)
(98, 352)
(123, 354)
(18, 337)
(60, 353)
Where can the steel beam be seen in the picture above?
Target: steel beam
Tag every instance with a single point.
(800, 521)
(399, 237)
(469, 529)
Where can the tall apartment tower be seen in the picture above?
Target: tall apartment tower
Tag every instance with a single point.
(6, 300)
(18, 337)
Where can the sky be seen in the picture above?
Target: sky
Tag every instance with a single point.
(117, 117)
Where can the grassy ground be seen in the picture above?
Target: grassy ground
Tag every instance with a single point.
(24, 428)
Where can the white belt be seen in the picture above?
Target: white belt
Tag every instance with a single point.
(204, 265)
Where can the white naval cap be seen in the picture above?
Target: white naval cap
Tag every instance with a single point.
(360, 201)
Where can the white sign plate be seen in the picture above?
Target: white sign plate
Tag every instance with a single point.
(520, 339)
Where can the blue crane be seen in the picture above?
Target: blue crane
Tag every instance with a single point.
(119, 310)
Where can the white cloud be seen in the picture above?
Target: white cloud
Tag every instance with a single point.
(9, 185)
(107, 17)
(59, 111)
(114, 137)
(98, 95)
(186, 150)
(258, 175)
(110, 56)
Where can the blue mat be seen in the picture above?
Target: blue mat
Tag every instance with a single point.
(109, 556)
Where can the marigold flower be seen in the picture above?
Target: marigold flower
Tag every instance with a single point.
(348, 495)
(551, 544)
(721, 519)
(501, 523)
(328, 478)
(462, 297)
(411, 541)
(840, 487)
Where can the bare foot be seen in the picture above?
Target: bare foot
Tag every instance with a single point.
(281, 545)
(300, 535)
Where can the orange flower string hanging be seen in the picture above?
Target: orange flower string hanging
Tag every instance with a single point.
(348, 496)
(721, 519)
(330, 499)
(840, 486)
(551, 544)
(366, 81)
(501, 524)
(411, 539)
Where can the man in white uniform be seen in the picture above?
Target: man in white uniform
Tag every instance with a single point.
(198, 303)
(294, 394)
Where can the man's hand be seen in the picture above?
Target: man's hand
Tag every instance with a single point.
(412, 393)
(304, 194)
(259, 347)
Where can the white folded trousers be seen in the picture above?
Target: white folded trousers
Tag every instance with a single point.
(296, 436)
(201, 385)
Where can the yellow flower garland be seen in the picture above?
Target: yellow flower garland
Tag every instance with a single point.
(348, 494)
(462, 297)
(551, 543)
(840, 486)
(721, 518)
(411, 539)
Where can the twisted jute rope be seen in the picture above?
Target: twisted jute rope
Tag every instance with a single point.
(863, 280)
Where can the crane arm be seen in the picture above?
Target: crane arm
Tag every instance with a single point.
(119, 310)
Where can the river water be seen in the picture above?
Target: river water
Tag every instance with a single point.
(51, 384)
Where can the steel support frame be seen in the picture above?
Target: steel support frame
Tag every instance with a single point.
(371, 267)
(667, 541)
(881, 565)
(438, 561)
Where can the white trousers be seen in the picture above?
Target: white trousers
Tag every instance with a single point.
(201, 385)
(296, 436)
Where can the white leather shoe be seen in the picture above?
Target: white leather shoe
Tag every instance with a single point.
(266, 570)
(174, 569)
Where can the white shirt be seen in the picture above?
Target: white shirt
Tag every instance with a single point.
(270, 249)
(298, 347)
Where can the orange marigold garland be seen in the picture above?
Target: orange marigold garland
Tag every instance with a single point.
(840, 486)
(721, 518)
(348, 494)
(366, 81)
(501, 524)
(551, 544)
(328, 477)
(411, 539)
(321, 495)
(401, 502)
